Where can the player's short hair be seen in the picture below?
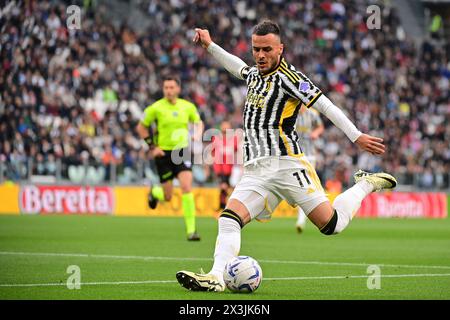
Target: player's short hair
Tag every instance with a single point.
(266, 27)
(172, 77)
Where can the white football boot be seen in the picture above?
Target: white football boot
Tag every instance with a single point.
(200, 282)
(380, 180)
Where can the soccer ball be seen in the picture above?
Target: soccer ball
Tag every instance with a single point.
(242, 274)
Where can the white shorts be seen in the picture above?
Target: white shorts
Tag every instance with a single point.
(266, 182)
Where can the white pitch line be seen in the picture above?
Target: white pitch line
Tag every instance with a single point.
(362, 276)
(85, 283)
(265, 279)
(354, 264)
(101, 256)
(105, 256)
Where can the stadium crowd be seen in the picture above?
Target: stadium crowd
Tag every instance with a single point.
(76, 95)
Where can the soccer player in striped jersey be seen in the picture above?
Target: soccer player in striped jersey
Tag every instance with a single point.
(275, 167)
(309, 127)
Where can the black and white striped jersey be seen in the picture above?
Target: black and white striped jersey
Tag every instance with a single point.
(271, 108)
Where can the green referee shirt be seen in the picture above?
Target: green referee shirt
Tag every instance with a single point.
(172, 122)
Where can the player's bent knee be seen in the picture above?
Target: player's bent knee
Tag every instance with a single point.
(240, 209)
(330, 227)
(167, 197)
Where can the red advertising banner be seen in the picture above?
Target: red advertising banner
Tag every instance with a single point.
(66, 199)
(404, 204)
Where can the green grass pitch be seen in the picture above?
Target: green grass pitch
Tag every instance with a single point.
(137, 258)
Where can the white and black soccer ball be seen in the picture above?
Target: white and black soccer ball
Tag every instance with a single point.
(242, 274)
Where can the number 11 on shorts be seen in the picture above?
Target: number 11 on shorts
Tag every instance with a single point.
(300, 179)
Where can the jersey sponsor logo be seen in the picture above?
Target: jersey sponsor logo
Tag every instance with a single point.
(255, 100)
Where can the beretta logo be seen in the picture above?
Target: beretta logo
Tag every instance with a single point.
(66, 199)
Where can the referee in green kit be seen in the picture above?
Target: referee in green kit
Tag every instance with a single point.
(168, 146)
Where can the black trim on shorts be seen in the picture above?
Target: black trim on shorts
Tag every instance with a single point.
(167, 169)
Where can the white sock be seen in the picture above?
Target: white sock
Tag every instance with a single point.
(347, 203)
(301, 218)
(228, 245)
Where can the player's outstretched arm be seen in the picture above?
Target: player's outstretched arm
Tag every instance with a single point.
(366, 142)
(230, 62)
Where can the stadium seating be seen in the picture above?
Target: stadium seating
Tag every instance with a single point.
(78, 94)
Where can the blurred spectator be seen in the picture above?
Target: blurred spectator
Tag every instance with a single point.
(436, 26)
(333, 186)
